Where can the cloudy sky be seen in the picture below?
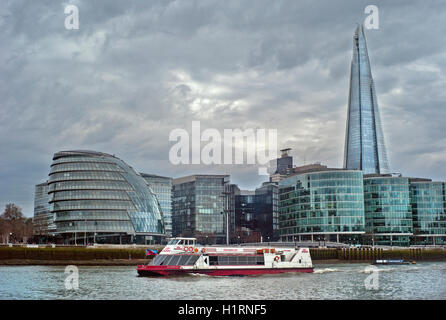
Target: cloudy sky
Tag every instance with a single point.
(135, 70)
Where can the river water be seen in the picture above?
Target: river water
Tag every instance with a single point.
(338, 281)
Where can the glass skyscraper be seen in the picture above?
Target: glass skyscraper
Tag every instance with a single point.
(364, 140)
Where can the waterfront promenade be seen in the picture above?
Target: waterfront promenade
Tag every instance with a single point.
(115, 255)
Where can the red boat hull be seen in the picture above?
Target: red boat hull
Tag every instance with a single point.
(154, 271)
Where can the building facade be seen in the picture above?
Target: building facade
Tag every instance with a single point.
(43, 220)
(97, 197)
(231, 193)
(267, 211)
(388, 211)
(322, 205)
(428, 201)
(281, 167)
(199, 208)
(364, 140)
(162, 188)
(245, 224)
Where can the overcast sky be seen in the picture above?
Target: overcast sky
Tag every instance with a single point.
(135, 70)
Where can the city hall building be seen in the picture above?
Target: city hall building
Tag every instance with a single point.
(96, 197)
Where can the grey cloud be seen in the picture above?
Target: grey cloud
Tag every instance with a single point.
(135, 70)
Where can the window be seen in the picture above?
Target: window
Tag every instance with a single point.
(174, 260)
(213, 260)
(158, 260)
(191, 261)
(183, 260)
(252, 260)
(223, 260)
(260, 260)
(166, 261)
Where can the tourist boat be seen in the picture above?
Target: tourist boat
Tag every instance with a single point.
(184, 256)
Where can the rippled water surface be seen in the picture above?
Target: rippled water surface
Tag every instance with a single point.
(339, 281)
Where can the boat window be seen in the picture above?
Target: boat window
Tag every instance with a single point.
(166, 261)
(173, 242)
(213, 260)
(191, 261)
(232, 260)
(223, 260)
(252, 260)
(243, 260)
(174, 260)
(183, 260)
(282, 257)
(260, 260)
(158, 260)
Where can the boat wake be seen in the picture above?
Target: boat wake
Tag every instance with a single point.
(325, 270)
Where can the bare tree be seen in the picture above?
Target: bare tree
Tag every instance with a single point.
(13, 226)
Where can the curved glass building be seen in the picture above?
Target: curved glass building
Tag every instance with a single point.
(388, 212)
(429, 214)
(96, 197)
(327, 205)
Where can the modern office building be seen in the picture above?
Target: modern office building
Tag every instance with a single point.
(281, 167)
(245, 224)
(364, 140)
(199, 208)
(267, 211)
(231, 192)
(162, 188)
(388, 212)
(256, 215)
(428, 203)
(97, 197)
(322, 204)
(43, 220)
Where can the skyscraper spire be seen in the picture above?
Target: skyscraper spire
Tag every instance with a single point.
(364, 141)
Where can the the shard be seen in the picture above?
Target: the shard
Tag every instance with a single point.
(364, 141)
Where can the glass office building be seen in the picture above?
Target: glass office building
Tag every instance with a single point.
(323, 205)
(429, 213)
(43, 220)
(257, 215)
(162, 188)
(245, 224)
(96, 197)
(267, 211)
(199, 207)
(388, 212)
(231, 192)
(364, 140)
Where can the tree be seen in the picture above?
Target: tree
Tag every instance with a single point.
(12, 212)
(12, 223)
